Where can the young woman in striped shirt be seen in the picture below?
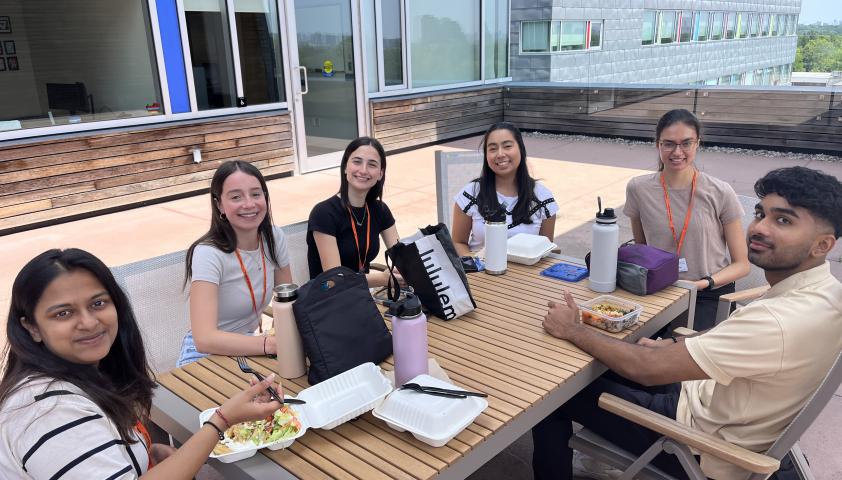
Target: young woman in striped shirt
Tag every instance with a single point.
(77, 388)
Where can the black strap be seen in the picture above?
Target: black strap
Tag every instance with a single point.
(393, 287)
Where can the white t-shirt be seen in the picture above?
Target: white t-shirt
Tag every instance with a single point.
(467, 201)
(764, 362)
(235, 309)
(50, 429)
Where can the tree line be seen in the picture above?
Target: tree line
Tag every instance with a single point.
(819, 48)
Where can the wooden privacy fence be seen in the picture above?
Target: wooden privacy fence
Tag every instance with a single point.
(781, 118)
(59, 178)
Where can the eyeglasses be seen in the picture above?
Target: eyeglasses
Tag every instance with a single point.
(667, 146)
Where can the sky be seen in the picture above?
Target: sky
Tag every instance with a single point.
(825, 11)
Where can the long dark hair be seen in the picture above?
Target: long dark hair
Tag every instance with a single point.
(121, 385)
(376, 192)
(221, 234)
(487, 196)
(679, 115)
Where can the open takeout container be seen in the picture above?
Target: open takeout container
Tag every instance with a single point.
(243, 450)
(527, 249)
(329, 404)
(597, 312)
(431, 419)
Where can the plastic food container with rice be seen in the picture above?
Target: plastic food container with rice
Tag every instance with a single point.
(610, 313)
(431, 419)
(329, 404)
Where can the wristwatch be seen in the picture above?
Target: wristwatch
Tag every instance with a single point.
(711, 283)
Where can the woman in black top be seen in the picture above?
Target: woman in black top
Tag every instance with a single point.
(344, 229)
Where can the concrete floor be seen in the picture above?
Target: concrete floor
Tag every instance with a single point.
(575, 170)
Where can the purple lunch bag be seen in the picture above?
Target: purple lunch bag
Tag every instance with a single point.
(643, 270)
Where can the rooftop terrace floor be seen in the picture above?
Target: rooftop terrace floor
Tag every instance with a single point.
(575, 169)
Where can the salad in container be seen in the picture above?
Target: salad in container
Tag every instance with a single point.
(244, 439)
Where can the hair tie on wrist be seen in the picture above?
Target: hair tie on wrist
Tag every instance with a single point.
(674, 340)
(219, 432)
(219, 413)
(264, 345)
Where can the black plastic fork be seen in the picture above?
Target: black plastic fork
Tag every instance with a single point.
(442, 392)
(244, 367)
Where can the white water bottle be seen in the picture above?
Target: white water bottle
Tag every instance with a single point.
(604, 244)
(496, 243)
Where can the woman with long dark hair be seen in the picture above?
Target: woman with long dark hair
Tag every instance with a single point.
(77, 388)
(344, 229)
(683, 210)
(233, 268)
(504, 183)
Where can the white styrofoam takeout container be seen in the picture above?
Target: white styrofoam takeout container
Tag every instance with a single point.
(242, 451)
(611, 324)
(527, 249)
(431, 419)
(329, 404)
(345, 396)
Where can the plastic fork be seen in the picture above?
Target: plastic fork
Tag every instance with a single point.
(444, 392)
(244, 367)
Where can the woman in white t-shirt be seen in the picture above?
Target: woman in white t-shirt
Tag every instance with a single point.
(233, 268)
(77, 389)
(503, 183)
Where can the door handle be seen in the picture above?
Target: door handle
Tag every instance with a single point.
(306, 85)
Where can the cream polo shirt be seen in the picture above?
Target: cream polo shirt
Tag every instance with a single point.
(764, 362)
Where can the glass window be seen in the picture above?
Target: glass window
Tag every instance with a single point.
(701, 26)
(210, 52)
(573, 35)
(735, 79)
(773, 25)
(724, 80)
(742, 24)
(555, 36)
(390, 13)
(795, 24)
(749, 78)
(647, 33)
(755, 25)
(781, 30)
(686, 26)
(259, 42)
(717, 26)
(77, 62)
(496, 38)
(445, 42)
(731, 25)
(596, 35)
(666, 26)
(767, 76)
(535, 36)
(764, 25)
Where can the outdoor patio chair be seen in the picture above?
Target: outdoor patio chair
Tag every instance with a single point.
(453, 171)
(677, 439)
(155, 289)
(754, 284)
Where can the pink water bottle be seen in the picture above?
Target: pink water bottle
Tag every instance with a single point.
(409, 339)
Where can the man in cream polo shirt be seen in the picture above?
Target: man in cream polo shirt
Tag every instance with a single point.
(743, 380)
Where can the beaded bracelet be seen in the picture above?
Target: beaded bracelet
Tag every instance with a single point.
(219, 432)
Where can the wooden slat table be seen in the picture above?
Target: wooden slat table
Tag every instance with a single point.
(500, 348)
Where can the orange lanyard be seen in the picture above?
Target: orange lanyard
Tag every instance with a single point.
(148, 439)
(356, 237)
(679, 241)
(248, 283)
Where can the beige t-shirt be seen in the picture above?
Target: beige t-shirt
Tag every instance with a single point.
(715, 205)
(764, 362)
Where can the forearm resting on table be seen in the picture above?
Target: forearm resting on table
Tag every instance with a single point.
(218, 342)
(644, 365)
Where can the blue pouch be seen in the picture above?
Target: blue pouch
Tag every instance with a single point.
(566, 272)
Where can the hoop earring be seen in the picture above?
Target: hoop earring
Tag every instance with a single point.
(223, 217)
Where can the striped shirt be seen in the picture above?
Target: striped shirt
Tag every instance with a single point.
(51, 430)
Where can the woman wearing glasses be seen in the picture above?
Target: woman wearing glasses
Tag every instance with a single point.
(680, 209)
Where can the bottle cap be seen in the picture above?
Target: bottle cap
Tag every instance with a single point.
(409, 307)
(285, 292)
(498, 215)
(606, 216)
